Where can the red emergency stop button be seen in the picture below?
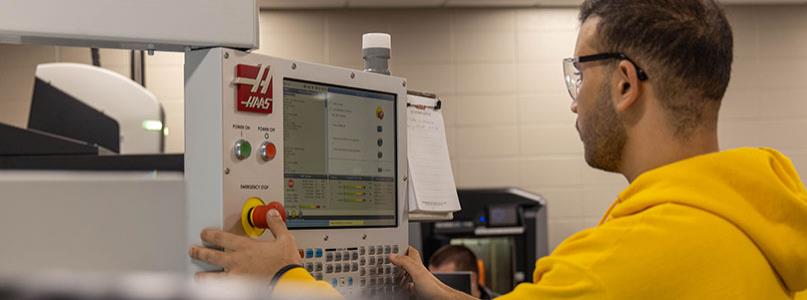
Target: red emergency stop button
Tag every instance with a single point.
(258, 215)
(268, 151)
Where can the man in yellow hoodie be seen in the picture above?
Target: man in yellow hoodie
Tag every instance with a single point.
(646, 82)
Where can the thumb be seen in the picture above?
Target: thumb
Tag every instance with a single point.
(409, 264)
(413, 253)
(276, 224)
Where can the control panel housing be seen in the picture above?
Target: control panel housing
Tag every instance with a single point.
(235, 152)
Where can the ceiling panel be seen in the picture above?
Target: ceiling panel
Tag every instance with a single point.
(314, 4)
(301, 4)
(491, 3)
(396, 3)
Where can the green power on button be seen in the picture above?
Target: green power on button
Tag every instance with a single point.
(242, 149)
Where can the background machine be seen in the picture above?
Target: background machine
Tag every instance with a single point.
(505, 227)
(327, 143)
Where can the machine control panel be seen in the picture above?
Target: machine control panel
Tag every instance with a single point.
(327, 144)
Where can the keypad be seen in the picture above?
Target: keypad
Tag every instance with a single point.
(362, 271)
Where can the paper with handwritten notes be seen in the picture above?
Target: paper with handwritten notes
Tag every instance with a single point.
(432, 191)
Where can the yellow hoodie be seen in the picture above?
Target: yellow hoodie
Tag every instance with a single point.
(727, 225)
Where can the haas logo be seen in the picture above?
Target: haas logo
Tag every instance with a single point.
(253, 88)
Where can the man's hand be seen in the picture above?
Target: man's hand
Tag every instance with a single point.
(247, 257)
(425, 285)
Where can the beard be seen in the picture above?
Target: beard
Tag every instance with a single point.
(603, 134)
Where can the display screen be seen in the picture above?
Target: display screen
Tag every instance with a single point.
(340, 156)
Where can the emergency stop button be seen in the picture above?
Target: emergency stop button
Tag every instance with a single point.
(242, 149)
(257, 216)
(268, 151)
(253, 215)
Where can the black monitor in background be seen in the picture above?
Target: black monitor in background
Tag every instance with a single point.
(54, 111)
(505, 227)
(460, 281)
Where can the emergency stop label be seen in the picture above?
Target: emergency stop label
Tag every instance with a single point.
(254, 187)
(253, 88)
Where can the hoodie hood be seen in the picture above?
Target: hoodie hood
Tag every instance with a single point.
(757, 190)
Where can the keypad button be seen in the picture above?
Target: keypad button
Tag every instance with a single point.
(354, 267)
(329, 256)
(363, 282)
(372, 260)
(395, 249)
(337, 268)
(318, 267)
(342, 281)
(362, 250)
(318, 252)
(387, 249)
(371, 250)
(334, 282)
(379, 249)
(350, 281)
(362, 272)
(363, 261)
(309, 267)
(337, 256)
(354, 255)
(346, 255)
(309, 253)
(329, 269)
(346, 267)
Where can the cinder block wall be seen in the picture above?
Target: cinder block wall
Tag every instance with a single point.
(499, 72)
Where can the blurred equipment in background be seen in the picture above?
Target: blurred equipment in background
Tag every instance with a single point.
(71, 285)
(505, 227)
(74, 167)
(117, 213)
(59, 124)
(460, 281)
(80, 109)
(140, 115)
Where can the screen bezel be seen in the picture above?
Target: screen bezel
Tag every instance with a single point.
(395, 122)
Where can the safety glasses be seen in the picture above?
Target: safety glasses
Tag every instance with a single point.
(574, 78)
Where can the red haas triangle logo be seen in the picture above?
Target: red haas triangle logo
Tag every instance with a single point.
(253, 89)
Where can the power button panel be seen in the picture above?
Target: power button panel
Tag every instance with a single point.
(253, 140)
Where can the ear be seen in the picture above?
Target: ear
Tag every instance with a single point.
(628, 87)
